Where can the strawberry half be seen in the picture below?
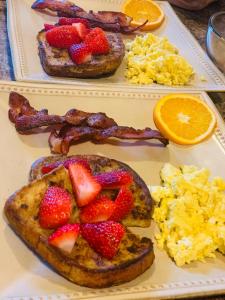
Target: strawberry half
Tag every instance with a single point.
(81, 161)
(84, 184)
(55, 208)
(80, 53)
(65, 237)
(49, 26)
(97, 41)
(70, 21)
(62, 36)
(49, 167)
(114, 179)
(123, 204)
(98, 210)
(103, 237)
(82, 30)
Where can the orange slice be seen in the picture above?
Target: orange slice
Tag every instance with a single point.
(142, 10)
(184, 119)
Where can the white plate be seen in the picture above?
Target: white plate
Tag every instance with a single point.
(24, 24)
(24, 274)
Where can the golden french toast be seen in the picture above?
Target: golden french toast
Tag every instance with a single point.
(88, 262)
(57, 62)
(140, 216)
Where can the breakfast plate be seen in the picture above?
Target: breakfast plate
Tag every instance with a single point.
(27, 67)
(28, 277)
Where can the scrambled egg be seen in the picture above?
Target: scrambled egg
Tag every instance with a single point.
(154, 59)
(190, 213)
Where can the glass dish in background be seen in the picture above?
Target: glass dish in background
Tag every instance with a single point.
(215, 39)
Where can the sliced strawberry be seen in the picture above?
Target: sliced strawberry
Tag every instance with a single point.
(98, 210)
(70, 21)
(62, 36)
(80, 53)
(81, 161)
(103, 237)
(97, 41)
(55, 208)
(65, 237)
(123, 204)
(49, 26)
(82, 30)
(84, 184)
(49, 167)
(114, 179)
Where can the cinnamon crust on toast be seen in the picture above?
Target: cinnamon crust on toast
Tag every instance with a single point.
(83, 265)
(57, 62)
(140, 215)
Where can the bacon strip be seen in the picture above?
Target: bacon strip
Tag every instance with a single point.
(61, 141)
(107, 20)
(27, 123)
(96, 120)
(26, 118)
(74, 126)
(110, 17)
(129, 29)
(19, 106)
(63, 6)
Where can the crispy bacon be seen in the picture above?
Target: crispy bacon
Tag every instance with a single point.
(64, 6)
(60, 142)
(111, 17)
(19, 106)
(107, 20)
(130, 29)
(95, 120)
(27, 123)
(74, 126)
(26, 118)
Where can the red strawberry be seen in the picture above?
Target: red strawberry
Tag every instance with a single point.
(82, 30)
(80, 53)
(55, 208)
(62, 36)
(70, 21)
(97, 41)
(98, 210)
(49, 167)
(81, 161)
(49, 26)
(65, 237)
(84, 184)
(103, 237)
(114, 179)
(123, 204)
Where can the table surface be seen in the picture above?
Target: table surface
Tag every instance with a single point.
(195, 21)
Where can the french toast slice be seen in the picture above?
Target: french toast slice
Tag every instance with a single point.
(83, 265)
(140, 216)
(57, 62)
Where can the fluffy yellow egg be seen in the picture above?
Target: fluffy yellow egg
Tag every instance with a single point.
(190, 213)
(154, 59)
